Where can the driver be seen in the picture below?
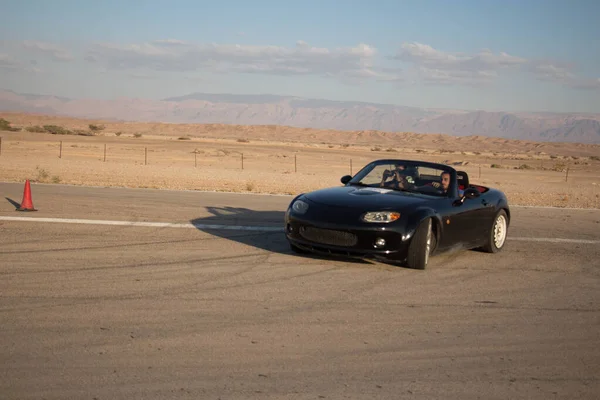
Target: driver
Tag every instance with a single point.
(444, 184)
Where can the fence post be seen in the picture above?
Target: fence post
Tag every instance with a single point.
(295, 165)
(0, 145)
(145, 155)
(480, 171)
(195, 159)
(60, 150)
(567, 175)
(104, 152)
(242, 160)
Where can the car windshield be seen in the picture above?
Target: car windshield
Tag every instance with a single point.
(408, 176)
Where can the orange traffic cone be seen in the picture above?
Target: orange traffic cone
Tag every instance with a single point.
(27, 204)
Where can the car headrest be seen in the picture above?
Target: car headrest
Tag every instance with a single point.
(463, 178)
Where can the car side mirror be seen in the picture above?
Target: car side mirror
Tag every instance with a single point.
(345, 179)
(471, 193)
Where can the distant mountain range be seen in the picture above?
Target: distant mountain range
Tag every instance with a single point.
(266, 109)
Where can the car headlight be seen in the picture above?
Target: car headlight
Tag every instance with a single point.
(381, 216)
(300, 207)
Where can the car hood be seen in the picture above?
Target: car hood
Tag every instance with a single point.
(365, 197)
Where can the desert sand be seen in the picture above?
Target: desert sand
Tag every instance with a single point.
(282, 160)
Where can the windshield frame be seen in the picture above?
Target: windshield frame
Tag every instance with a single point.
(452, 189)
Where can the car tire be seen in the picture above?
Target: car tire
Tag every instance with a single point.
(420, 246)
(498, 232)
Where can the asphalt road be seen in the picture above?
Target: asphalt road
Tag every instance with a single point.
(115, 310)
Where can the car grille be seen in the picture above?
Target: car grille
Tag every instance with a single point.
(328, 236)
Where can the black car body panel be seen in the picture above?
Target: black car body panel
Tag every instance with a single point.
(330, 220)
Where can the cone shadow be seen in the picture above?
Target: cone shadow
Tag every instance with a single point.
(14, 203)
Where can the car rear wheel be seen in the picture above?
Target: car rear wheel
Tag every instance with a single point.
(421, 245)
(497, 235)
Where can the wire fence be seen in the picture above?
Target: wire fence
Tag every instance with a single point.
(282, 159)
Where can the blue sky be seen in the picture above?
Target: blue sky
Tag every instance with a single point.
(492, 55)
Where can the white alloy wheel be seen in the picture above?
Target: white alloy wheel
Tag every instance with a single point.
(500, 231)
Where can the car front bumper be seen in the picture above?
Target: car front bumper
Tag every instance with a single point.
(346, 240)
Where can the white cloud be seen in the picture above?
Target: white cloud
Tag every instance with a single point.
(423, 54)
(587, 84)
(463, 77)
(562, 73)
(7, 62)
(357, 64)
(57, 53)
(553, 72)
(180, 56)
(435, 66)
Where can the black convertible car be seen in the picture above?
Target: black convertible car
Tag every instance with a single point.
(401, 211)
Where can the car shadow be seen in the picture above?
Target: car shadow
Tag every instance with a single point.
(260, 229)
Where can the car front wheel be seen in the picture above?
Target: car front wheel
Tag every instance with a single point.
(421, 245)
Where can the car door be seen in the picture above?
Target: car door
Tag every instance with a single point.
(463, 222)
(484, 217)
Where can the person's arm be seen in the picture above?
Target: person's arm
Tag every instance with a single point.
(383, 178)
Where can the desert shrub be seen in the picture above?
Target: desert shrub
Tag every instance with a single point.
(82, 132)
(35, 128)
(5, 126)
(559, 167)
(56, 130)
(184, 138)
(95, 128)
(137, 135)
(525, 166)
(42, 174)
(595, 158)
(496, 166)
(241, 140)
(376, 149)
(118, 133)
